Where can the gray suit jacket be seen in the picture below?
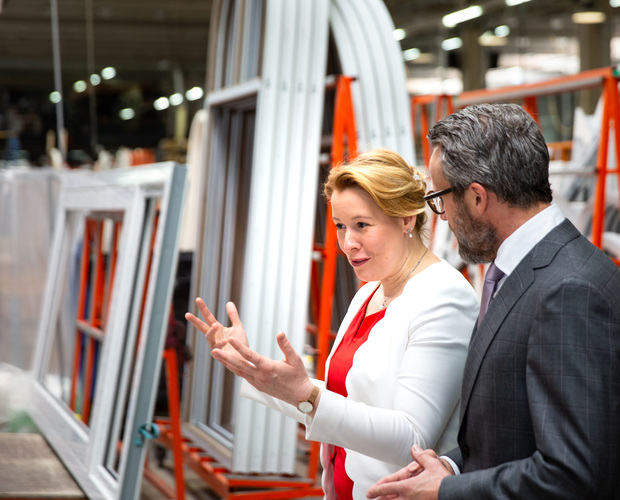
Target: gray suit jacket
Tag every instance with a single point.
(540, 402)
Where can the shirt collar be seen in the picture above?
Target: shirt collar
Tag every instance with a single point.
(520, 242)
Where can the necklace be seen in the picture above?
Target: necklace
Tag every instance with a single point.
(385, 298)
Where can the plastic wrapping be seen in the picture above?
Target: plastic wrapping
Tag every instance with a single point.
(27, 209)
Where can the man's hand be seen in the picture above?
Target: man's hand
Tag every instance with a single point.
(420, 480)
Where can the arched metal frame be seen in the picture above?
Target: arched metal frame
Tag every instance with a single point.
(272, 56)
(363, 33)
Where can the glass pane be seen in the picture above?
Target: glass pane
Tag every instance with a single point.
(80, 324)
(239, 126)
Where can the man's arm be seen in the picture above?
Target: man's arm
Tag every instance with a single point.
(457, 459)
(573, 387)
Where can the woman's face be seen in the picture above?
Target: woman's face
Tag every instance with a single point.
(374, 242)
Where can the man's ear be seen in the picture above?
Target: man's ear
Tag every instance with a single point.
(479, 197)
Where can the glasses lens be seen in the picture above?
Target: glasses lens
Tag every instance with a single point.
(438, 204)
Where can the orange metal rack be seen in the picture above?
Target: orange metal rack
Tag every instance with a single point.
(219, 478)
(344, 145)
(96, 283)
(607, 78)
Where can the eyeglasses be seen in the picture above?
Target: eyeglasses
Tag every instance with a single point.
(435, 200)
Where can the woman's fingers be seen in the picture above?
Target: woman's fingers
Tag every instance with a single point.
(286, 347)
(214, 331)
(209, 319)
(286, 379)
(198, 323)
(215, 336)
(235, 362)
(233, 314)
(202, 327)
(206, 313)
(210, 327)
(248, 354)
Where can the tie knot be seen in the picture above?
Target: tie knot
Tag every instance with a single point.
(494, 273)
(491, 279)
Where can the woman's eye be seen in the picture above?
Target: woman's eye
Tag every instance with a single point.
(339, 225)
(362, 225)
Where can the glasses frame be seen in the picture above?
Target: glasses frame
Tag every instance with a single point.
(431, 199)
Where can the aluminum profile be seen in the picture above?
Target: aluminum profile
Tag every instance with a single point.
(286, 76)
(283, 193)
(363, 30)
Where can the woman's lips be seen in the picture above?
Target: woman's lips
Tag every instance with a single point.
(358, 262)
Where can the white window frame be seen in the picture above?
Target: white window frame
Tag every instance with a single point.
(136, 193)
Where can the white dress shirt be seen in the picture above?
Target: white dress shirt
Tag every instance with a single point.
(520, 242)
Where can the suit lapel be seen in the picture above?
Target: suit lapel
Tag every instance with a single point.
(512, 289)
(514, 286)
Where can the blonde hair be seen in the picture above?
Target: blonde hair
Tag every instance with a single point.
(397, 188)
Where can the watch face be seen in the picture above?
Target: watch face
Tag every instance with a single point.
(305, 406)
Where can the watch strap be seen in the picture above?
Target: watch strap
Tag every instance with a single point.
(311, 399)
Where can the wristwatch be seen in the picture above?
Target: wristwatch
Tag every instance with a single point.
(308, 405)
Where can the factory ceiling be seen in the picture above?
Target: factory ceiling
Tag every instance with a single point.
(153, 42)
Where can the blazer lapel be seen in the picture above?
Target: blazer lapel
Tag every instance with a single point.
(514, 286)
(512, 289)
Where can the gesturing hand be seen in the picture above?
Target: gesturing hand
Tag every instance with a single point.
(217, 336)
(285, 379)
(418, 480)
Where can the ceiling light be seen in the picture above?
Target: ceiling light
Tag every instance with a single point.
(614, 3)
(399, 34)
(176, 98)
(126, 114)
(460, 16)
(108, 73)
(79, 86)
(95, 79)
(451, 43)
(490, 39)
(411, 54)
(55, 97)
(589, 17)
(510, 3)
(194, 94)
(502, 30)
(161, 103)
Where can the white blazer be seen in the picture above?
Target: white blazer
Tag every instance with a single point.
(404, 384)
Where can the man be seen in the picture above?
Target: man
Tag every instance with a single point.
(540, 401)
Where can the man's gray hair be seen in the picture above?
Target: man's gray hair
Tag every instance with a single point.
(499, 146)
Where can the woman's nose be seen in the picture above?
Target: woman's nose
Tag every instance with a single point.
(349, 242)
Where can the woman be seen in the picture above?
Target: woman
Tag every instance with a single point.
(394, 372)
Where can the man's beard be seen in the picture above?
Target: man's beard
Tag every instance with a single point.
(478, 241)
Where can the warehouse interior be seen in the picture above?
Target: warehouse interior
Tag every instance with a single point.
(99, 86)
(162, 50)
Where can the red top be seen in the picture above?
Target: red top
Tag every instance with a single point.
(339, 367)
